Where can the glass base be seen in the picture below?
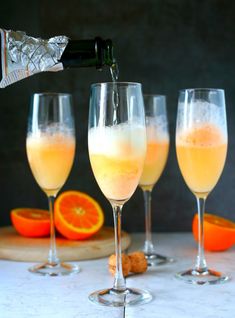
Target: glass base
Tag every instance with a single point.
(113, 298)
(155, 259)
(56, 269)
(210, 277)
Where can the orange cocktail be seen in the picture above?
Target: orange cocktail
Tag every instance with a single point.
(156, 156)
(201, 153)
(50, 147)
(118, 164)
(50, 157)
(155, 161)
(201, 147)
(117, 148)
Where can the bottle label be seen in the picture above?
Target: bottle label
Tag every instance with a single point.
(23, 56)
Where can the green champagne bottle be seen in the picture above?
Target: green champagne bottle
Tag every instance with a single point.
(88, 53)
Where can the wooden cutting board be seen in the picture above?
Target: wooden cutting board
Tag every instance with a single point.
(19, 248)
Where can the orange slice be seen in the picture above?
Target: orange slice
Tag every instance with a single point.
(219, 233)
(31, 222)
(77, 215)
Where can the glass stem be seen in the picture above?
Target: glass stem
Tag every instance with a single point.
(119, 281)
(201, 265)
(52, 257)
(148, 245)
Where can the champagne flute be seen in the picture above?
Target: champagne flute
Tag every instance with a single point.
(117, 147)
(201, 147)
(155, 161)
(50, 146)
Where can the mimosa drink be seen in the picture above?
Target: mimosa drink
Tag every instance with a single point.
(201, 154)
(201, 147)
(155, 160)
(50, 157)
(117, 148)
(50, 147)
(117, 155)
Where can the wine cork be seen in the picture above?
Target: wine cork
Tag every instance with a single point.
(132, 263)
(126, 264)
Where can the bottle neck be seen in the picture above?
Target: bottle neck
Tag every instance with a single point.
(88, 53)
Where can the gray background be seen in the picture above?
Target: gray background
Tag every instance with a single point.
(165, 45)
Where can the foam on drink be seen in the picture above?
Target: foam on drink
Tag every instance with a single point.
(117, 154)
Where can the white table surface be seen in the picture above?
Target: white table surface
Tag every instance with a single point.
(24, 295)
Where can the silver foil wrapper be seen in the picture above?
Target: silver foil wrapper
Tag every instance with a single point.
(23, 55)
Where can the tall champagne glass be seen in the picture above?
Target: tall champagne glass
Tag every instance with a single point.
(156, 157)
(117, 147)
(201, 146)
(50, 146)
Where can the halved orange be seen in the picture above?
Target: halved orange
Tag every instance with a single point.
(219, 233)
(77, 215)
(31, 222)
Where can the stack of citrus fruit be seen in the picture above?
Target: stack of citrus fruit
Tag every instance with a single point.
(219, 233)
(77, 217)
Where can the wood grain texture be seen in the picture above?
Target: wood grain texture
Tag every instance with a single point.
(19, 248)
